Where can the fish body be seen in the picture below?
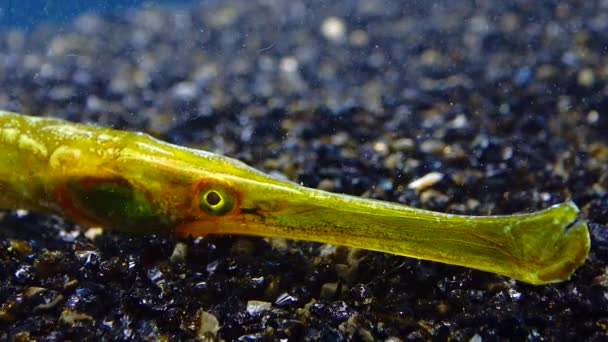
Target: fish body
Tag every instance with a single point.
(131, 181)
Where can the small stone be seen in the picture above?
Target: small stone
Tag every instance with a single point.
(288, 65)
(394, 161)
(592, 117)
(327, 250)
(179, 252)
(546, 71)
(22, 336)
(48, 299)
(32, 291)
(434, 198)
(340, 138)
(432, 146)
(326, 185)
(443, 308)
(19, 247)
(586, 77)
(285, 299)
(278, 244)
(333, 29)
(94, 103)
(403, 144)
(255, 307)
(92, 233)
(358, 38)
(185, 91)
(602, 279)
(208, 326)
(476, 338)
(393, 339)
(473, 204)
(510, 22)
(426, 181)
(381, 147)
(328, 291)
(62, 93)
(454, 152)
(223, 16)
(460, 121)
(430, 57)
(72, 317)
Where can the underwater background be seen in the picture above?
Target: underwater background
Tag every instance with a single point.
(506, 100)
(29, 14)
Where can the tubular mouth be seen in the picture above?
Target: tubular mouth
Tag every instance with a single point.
(538, 248)
(574, 223)
(572, 246)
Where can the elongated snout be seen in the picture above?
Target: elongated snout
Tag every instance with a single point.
(538, 248)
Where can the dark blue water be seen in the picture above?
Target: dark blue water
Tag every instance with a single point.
(30, 13)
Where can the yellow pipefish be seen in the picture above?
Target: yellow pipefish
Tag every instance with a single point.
(133, 182)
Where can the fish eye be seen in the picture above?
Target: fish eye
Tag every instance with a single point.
(215, 200)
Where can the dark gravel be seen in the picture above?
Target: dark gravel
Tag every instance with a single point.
(507, 99)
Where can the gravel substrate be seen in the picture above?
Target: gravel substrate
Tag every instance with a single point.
(505, 101)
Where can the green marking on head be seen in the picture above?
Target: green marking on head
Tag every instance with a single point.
(117, 203)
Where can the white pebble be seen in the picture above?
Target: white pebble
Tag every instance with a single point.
(334, 29)
(185, 91)
(255, 307)
(289, 65)
(426, 181)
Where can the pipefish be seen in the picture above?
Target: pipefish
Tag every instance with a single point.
(130, 181)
